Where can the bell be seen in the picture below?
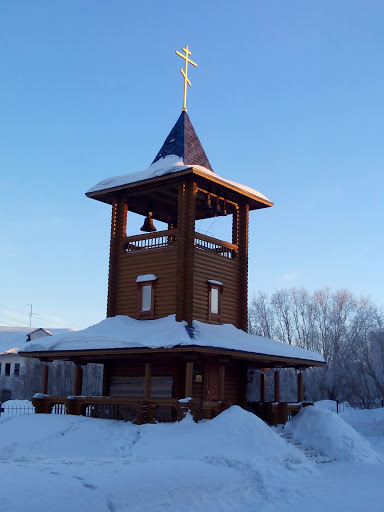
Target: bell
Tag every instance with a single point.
(224, 210)
(207, 204)
(216, 209)
(148, 224)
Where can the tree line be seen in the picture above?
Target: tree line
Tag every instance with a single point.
(347, 330)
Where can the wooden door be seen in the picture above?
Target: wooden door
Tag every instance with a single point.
(211, 382)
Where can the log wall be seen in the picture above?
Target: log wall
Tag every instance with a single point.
(227, 271)
(162, 263)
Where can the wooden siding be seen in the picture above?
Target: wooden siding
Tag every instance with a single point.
(162, 263)
(161, 367)
(211, 266)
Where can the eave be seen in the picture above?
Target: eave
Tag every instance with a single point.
(255, 201)
(91, 355)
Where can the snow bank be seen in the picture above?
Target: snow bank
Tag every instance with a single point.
(125, 332)
(325, 431)
(235, 434)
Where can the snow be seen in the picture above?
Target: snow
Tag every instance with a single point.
(215, 282)
(168, 165)
(231, 463)
(146, 277)
(328, 433)
(126, 332)
(14, 339)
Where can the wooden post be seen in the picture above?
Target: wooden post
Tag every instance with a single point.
(106, 379)
(77, 379)
(147, 381)
(118, 232)
(221, 383)
(243, 262)
(188, 379)
(186, 250)
(44, 379)
(263, 382)
(300, 387)
(277, 386)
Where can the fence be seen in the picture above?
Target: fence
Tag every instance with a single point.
(14, 410)
(345, 406)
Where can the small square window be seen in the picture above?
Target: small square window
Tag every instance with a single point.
(215, 298)
(146, 300)
(16, 371)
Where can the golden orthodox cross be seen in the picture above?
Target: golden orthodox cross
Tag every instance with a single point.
(185, 73)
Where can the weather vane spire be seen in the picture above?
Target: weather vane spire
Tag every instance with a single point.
(185, 73)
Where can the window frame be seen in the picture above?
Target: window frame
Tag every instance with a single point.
(16, 369)
(150, 314)
(7, 369)
(215, 317)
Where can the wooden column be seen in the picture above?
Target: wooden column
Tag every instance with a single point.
(185, 251)
(300, 387)
(277, 386)
(243, 262)
(44, 379)
(118, 232)
(77, 379)
(147, 381)
(188, 379)
(106, 379)
(263, 382)
(221, 383)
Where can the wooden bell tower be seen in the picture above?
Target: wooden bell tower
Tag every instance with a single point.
(179, 271)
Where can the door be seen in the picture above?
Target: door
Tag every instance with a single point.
(211, 382)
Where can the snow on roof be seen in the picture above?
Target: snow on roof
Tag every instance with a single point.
(146, 277)
(167, 165)
(13, 339)
(126, 332)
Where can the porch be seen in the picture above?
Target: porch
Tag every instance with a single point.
(153, 390)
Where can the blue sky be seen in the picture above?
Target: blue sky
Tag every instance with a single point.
(287, 98)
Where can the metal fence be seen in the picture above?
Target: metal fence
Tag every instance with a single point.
(14, 410)
(345, 406)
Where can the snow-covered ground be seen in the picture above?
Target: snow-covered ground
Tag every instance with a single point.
(232, 463)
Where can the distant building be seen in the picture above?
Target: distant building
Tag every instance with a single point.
(15, 381)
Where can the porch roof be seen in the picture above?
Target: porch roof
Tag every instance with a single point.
(123, 334)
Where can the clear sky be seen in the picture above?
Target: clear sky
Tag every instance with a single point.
(287, 98)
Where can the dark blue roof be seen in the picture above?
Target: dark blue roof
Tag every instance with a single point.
(183, 142)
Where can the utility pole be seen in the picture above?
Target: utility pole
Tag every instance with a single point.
(31, 314)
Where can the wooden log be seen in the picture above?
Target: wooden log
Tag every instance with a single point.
(263, 382)
(221, 383)
(44, 379)
(188, 379)
(77, 379)
(277, 386)
(300, 387)
(147, 380)
(106, 379)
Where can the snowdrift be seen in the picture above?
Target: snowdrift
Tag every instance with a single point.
(234, 434)
(325, 431)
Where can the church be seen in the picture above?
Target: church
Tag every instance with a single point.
(175, 337)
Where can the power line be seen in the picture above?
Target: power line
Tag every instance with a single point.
(42, 318)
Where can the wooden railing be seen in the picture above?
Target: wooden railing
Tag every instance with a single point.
(150, 241)
(168, 238)
(276, 413)
(215, 246)
(137, 410)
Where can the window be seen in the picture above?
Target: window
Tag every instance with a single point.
(146, 297)
(16, 371)
(215, 289)
(7, 369)
(0, 368)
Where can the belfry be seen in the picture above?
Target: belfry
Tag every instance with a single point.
(175, 336)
